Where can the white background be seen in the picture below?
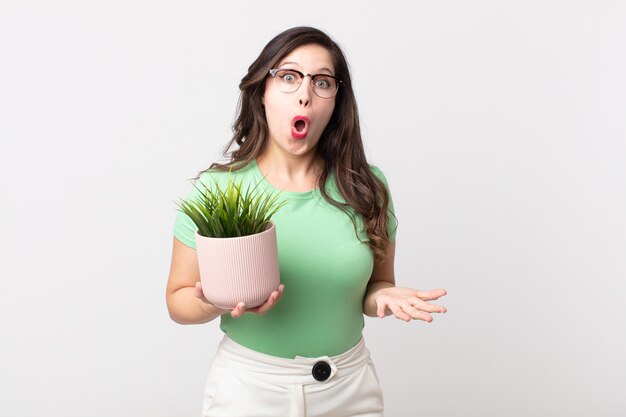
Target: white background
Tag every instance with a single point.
(500, 126)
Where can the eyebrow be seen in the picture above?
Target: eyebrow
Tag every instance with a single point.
(295, 63)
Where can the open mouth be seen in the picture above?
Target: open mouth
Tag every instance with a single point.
(299, 127)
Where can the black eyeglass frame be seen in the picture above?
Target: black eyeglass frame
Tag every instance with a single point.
(274, 71)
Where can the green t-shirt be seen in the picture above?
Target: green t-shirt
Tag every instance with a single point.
(323, 265)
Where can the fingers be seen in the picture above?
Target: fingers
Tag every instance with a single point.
(430, 308)
(399, 313)
(416, 314)
(198, 290)
(238, 311)
(274, 297)
(428, 295)
(199, 293)
(418, 310)
(406, 312)
(380, 312)
(271, 301)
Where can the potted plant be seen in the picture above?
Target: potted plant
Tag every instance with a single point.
(235, 242)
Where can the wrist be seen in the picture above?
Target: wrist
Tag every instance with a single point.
(374, 287)
(370, 306)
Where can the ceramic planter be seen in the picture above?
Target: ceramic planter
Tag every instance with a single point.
(236, 269)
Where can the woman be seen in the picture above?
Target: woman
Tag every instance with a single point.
(298, 131)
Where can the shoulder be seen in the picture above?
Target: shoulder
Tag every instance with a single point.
(379, 174)
(375, 169)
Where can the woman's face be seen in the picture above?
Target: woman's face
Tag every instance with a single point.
(296, 120)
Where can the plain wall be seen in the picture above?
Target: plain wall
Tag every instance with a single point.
(500, 126)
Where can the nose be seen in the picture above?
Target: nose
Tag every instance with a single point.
(304, 92)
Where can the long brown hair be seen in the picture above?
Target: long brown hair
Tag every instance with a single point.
(340, 145)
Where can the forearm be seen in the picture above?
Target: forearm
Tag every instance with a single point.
(369, 305)
(185, 308)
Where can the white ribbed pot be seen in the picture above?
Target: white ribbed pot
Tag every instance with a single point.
(236, 269)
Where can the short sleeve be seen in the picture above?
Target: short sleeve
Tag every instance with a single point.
(184, 228)
(392, 224)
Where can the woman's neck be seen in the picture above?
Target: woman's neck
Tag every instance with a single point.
(292, 173)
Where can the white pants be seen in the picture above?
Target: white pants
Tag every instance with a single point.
(246, 383)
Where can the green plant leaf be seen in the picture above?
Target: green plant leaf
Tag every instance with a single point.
(231, 211)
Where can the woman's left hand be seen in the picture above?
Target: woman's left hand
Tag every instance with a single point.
(407, 303)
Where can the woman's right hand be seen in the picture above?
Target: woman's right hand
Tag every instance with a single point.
(240, 308)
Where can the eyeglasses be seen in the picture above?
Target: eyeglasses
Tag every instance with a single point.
(289, 80)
